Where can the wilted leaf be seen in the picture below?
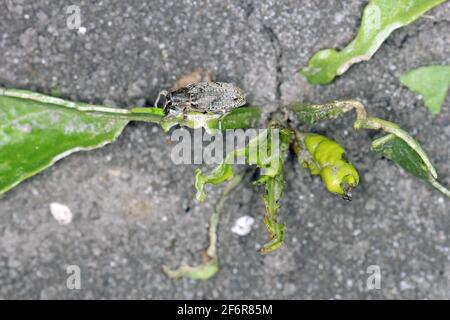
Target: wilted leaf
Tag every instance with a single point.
(431, 83)
(210, 267)
(256, 152)
(267, 151)
(400, 152)
(272, 196)
(313, 113)
(240, 118)
(201, 272)
(380, 19)
(397, 150)
(274, 185)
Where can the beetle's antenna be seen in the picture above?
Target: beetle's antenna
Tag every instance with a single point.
(162, 93)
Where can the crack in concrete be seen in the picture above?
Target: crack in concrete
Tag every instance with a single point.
(408, 36)
(278, 49)
(249, 8)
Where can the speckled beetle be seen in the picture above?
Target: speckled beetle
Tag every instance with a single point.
(207, 97)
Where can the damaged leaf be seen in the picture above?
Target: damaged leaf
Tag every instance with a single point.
(267, 151)
(403, 149)
(256, 152)
(240, 118)
(35, 134)
(380, 19)
(272, 195)
(397, 150)
(313, 113)
(210, 267)
(203, 271)
(390, 127)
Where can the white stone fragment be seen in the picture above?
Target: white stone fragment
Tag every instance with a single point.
(243, 225)
(61, 213)
(82, 30)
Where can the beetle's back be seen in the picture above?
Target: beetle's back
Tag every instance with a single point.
(216, 97)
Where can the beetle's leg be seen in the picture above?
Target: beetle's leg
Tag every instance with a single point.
(223, 113)
(162, 93)
(184, 111)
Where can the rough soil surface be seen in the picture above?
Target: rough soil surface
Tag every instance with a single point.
(133, 211)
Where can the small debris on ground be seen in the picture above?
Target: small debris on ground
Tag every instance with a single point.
(194, 77)
(61, 213)
(243, 225)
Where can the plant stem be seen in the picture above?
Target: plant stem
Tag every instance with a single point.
(209, 268)
(439, 186)
(238, 118)
(214, 221)
(154, 115)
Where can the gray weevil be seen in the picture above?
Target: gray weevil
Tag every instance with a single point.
(207, 97)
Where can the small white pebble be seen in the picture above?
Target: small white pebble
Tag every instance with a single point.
(82, 30)
(243, 225)
(61, 213)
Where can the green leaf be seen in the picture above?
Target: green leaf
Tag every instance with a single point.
(380, 19)
(431, 83)
(35, 134)
(36, 130)
(220, 174)
(397, 150)
(240, 118)
(390, 127)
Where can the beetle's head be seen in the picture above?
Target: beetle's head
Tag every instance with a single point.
(238, 97)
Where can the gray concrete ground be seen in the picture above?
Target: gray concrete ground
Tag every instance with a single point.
(134, 212)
